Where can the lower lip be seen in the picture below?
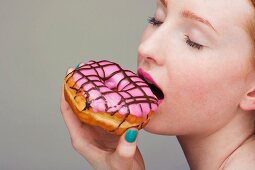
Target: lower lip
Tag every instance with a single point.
(147, 76)
(159, 102)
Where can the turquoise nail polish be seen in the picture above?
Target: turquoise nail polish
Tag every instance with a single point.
(131, 135)
(78, 65)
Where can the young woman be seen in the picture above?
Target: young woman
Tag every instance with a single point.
(201, 54)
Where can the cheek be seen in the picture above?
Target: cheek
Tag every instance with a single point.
(192, 87)
(207, 86)
(198, 99)
(191, 98)
(207, 83)
(189, 85)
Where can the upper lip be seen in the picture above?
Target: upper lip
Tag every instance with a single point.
(141, 73)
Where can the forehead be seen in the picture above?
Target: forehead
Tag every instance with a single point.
(219, 12)
(227, 5)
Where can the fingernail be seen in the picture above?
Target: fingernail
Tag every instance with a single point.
(131, 135)
(78, 65)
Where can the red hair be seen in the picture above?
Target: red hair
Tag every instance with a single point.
(253, 2)
(251, 30)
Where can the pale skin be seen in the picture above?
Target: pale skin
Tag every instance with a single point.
(203, 68)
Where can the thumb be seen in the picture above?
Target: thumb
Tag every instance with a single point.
(123, 157)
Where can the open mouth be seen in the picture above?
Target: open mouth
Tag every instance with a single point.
(152, 84)
(155, 90)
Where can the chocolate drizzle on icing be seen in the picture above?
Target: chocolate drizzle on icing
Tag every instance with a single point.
(93, 79)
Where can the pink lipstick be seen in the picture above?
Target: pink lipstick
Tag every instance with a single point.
(152, 84)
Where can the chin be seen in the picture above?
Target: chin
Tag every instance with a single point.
(159, 124)
(153, 127)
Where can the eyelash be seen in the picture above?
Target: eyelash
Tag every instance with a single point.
(155, 22)
(193, 44)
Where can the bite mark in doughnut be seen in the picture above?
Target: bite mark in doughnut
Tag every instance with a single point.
(103, 94)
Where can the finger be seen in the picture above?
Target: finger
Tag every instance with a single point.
(126, 149)
(73, 123)
(79, 65)
(79, 132)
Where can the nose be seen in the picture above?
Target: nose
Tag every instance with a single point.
(151, 48)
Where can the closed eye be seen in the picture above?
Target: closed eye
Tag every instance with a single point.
(154, 21)
(193, 44)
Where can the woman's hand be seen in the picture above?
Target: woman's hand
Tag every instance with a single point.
(100, 148)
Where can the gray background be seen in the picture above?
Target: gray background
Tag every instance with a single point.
(39, 40)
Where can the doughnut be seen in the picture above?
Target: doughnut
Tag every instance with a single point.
(103, 94)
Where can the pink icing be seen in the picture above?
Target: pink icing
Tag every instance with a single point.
(109, 88)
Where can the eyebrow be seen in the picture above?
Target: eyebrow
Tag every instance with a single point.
(164, 2)
(191, 15)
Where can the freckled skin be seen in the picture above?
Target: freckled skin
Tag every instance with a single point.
(208, 102)
(202, 88)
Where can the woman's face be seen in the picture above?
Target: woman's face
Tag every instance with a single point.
(198, 52)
